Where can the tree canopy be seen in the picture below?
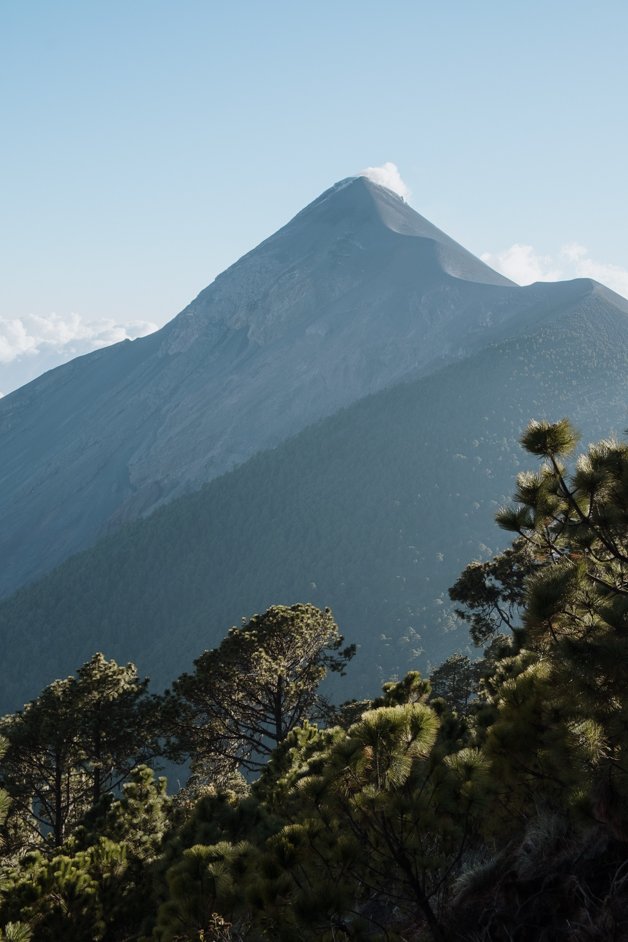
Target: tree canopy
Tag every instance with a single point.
(78, 740)
(245, 696)
(486, 804)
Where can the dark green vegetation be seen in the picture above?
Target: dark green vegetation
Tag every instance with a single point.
(80, 739)
(373, 512)
(276, 663)
(489, 804)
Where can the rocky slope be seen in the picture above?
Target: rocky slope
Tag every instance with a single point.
(373, 511)
(357, 293)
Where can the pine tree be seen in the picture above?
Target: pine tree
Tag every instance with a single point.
(42, 768)
(575, 527)
(79, 739)
(492, 593)
(100, 886)
(456, 680)
(245, 696)
(379, 818)
(119, 722)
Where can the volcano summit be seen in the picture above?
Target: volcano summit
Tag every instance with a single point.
(357, 293)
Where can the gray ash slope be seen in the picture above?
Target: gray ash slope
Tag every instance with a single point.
(356, 294)
(373, 511)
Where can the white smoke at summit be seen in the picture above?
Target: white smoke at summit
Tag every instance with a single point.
(387, 175)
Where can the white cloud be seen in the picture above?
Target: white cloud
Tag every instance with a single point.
(523, 264)
(574, 252)
(613, 276)
(31, 344)
(387, 175)
(71, 334)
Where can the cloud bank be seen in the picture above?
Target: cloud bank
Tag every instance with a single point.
(32, 344)
(71, 334)
(523, 264)
(387, 175)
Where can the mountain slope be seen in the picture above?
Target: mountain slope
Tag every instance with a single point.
(373, 511)
(357, 292)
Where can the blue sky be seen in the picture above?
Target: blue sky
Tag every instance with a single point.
(148, 144)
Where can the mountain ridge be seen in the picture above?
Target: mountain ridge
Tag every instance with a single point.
(373, 511)
(333, 307)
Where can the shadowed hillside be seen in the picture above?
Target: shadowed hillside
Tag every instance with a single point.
(356, 294)
(373, 512)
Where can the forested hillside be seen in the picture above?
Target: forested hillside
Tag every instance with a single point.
(356, 293)
(485, 803)
(373, 512)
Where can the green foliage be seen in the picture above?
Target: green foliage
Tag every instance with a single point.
(456, 681)
(205, 880)
(138, 818)
(100, 883)
(5, 801)
(554, 726)
(381, 815)
(344, 832)
(15, 932)
(245, 696)
(410, 689)
(69, 896)
(562, 702)
(374, 512)
(75, 742)
(119, 721)
(486, 803)
(493, 592)
(550, 439)
(302, 753)
(42, 767)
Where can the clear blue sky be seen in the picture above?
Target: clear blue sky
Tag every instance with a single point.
(148, 144)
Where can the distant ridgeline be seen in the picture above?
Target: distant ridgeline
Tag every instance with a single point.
(366, 378)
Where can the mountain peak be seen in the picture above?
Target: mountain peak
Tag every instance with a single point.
(358, 292)
(355, 186)
(357, 240)
(358, 216)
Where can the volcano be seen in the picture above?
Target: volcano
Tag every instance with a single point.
(356, 294)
